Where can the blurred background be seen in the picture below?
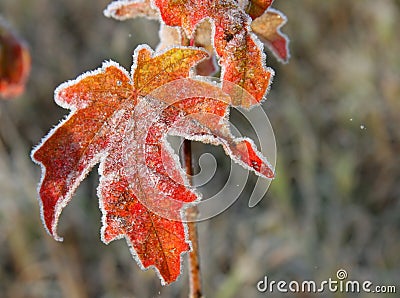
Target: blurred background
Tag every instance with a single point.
(335, 110)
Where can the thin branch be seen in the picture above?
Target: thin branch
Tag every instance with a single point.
(191, 216)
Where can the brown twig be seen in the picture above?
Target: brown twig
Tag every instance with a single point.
(191, 215)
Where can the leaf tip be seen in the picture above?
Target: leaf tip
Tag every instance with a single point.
(48, 219)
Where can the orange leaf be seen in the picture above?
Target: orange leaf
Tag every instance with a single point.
(121, 121)
(101, 103)
(267, 27)
(240, 52)
(266, 24)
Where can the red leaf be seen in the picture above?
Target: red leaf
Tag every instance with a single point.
(101, 104)
(120, 121)
(267, 27)
(15, 62)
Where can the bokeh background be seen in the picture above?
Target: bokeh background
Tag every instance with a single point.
(335, 109)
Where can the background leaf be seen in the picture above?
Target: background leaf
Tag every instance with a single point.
(15, 62)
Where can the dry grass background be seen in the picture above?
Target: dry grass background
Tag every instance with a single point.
(335, 201)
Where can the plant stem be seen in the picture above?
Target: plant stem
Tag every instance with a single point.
(191, 215)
